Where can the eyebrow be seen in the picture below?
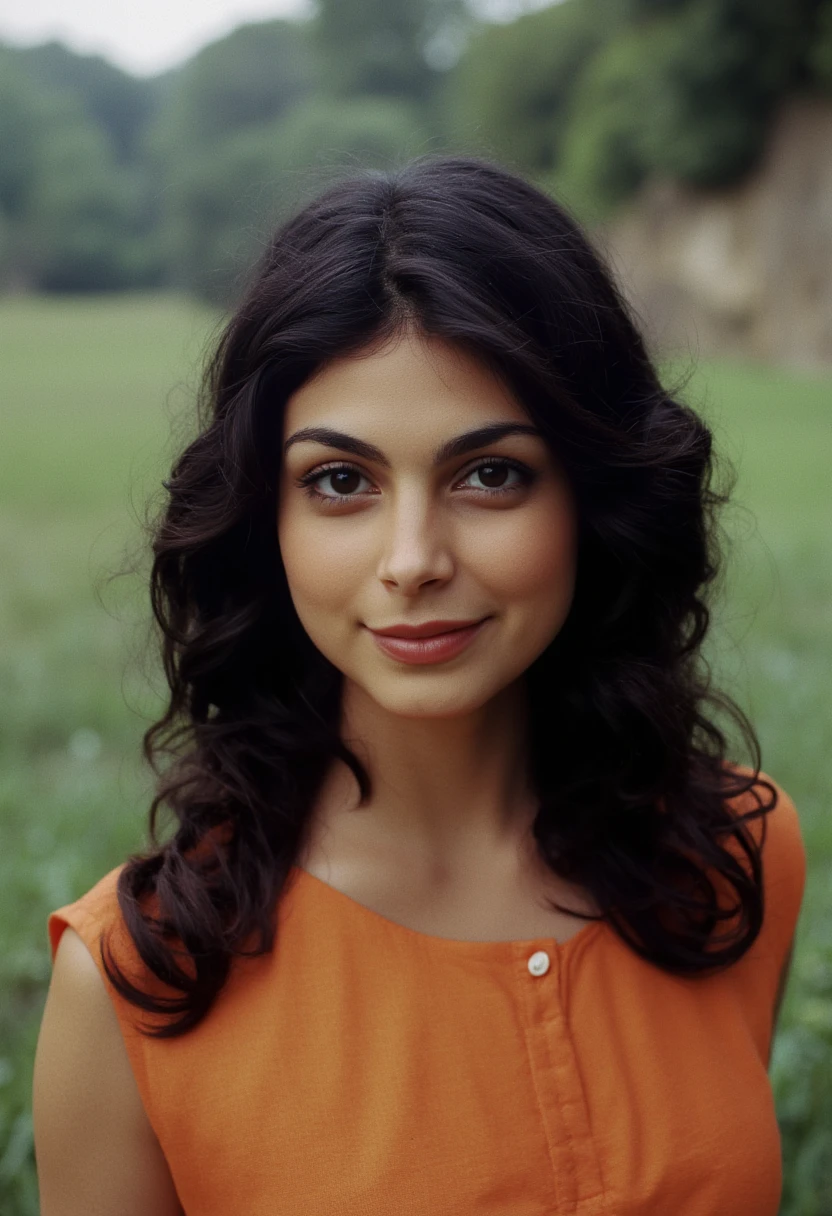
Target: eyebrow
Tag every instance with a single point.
(470, 441)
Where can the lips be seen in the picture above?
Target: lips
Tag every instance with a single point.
(431, 642)
(428, 630)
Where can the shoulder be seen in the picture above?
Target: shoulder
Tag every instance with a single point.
(94, 914)
(98, 921)
(779, 836)
(95, 1146)
(777, 831)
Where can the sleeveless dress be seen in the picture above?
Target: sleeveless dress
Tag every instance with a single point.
(363, 1068)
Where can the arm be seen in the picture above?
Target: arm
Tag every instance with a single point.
(97, 1154)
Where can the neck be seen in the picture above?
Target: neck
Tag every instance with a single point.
(444, 790)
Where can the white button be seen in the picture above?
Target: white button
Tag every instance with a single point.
(539, 963)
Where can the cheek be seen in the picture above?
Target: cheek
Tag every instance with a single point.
(530, 557)
(323, 562)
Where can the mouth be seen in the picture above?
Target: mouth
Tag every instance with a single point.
(431, 642)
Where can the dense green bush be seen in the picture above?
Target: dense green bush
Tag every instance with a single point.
(72, 212)
(801, 1073)
(596, 95)
(602, 161)
(511, 92)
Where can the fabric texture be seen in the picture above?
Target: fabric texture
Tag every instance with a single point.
(364, 1067)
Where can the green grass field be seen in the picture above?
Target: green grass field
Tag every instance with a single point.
(96, 394)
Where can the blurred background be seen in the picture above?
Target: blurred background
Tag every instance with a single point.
(145, 156)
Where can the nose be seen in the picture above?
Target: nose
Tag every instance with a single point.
(416, 552)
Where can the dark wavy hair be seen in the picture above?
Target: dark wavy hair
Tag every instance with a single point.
(628, 757)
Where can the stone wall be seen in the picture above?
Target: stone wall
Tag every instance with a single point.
(746, 271)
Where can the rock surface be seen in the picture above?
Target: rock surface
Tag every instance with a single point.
(746, 271)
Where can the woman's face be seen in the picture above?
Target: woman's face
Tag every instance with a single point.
(415, 491)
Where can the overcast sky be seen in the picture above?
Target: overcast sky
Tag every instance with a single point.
(143, 36)
(147, 36)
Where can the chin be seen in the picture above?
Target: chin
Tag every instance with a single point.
(452, 701)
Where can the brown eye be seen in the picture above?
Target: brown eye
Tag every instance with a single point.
(344, 481)
(493, 475)
(497, 477)
(336, 483)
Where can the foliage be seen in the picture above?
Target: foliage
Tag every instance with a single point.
(819, 50)
(72, 212)
(118, 103)
(249, 127)
(601, 161)
(511, 92)
(245, 79)
(687, 96)
(18, 136)
(175, 180)
(382, 48)
(725, 66)
(224, 199)
(802, 1079)
(81, 212)
(595, 95)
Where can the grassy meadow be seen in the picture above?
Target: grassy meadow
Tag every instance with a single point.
(95, 395)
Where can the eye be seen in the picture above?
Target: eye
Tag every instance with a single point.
(496, 477)
(335, 482)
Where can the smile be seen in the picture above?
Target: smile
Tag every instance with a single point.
(433, 642)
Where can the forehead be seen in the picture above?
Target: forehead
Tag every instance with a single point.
(411, 389)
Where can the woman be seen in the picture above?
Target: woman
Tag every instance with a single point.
(465, 909)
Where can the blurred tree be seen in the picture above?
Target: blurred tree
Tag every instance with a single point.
(333, 136)
(70, 213)
(819, 49)
(19, 131)
(226, 198)
(511, 92)
(725, 67)
(386, 47)
(245, 79)
(688, 95)
(248, 123)
(80, 231)
(587, 96)
(602, 161)
(117, 102)
(210, 147)
(592, 96)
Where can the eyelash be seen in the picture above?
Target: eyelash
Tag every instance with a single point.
(308, 481)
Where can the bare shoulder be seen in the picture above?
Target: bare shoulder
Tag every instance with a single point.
(96, 1151)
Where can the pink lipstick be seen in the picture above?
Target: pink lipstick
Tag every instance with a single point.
(432, 642)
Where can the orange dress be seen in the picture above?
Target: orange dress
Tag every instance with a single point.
(364, 1068)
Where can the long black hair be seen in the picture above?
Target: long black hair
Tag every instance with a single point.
(637, 802)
